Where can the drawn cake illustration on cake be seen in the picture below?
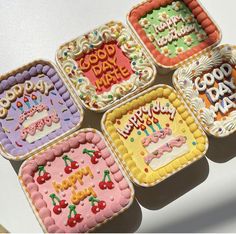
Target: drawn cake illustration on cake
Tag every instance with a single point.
(36, 122)
(208, 85)
(36, 107)
(154, 135)
(105, 66)
(173, 31)
(162, 145)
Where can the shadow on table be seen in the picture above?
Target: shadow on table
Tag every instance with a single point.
(127, 222)
(16, 165)
(92, 120)
(169, 190)
(201, 221)
(222, 150)
(164, 78)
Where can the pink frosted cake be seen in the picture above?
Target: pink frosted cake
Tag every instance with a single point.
(76, 185)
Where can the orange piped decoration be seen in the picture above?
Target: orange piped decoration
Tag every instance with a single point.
(155, 120)
(149, 122)
(143, 127)
(26, 99)
(19, 104)
(33, 97)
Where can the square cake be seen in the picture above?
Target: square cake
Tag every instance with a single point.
(105, 66)
(154, 135)
(173, 31)
(208, 84)
(76, 185)
(36, 107)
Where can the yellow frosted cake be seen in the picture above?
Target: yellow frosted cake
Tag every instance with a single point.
(154, 135)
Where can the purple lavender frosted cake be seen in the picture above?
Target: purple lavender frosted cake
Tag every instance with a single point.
(36, 107)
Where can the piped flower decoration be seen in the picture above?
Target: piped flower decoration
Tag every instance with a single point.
(188, 40)
(163, 16)
(144, 23)
(190, 18)
(201, 36)
(151, 37)
(166, 51)
(179, 50)
(177, 5)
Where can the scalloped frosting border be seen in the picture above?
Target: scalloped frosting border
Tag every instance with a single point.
(213, 32)
(39, 206)
(144, 70)
(20, 75)
(183, 81)
(136, 174)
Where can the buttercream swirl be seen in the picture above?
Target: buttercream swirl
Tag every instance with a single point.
(143, 69)
(183, 80)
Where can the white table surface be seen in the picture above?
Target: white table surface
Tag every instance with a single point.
(202, 198)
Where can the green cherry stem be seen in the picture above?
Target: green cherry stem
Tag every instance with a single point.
(72, 209)
(54, 197)
(106, 175)
(66, 159)
(93, 200)
(88, 152)
(40, 170)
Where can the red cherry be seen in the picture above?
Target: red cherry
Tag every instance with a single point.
(74, 165)
(97, 154)
(95, 209)
(57, 209)
(102, 185)
(78, 218)
(47, 176)
(110, 185)
(63, 204)
(68, 169)
(71, 222)
(101, 205)
(94, 160)
(41, 180)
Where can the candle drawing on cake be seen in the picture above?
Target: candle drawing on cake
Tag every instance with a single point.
(34, 98)
(149, 123)
(156, 121)
(143, 128)
(20, 106)
(26, 101)
(161, 144)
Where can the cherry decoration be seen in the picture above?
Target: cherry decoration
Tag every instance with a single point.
(76, 219)
(106, 184)
(41, 179)
(97, 205)
(94, 155)
(58, 204)
(73, 164)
